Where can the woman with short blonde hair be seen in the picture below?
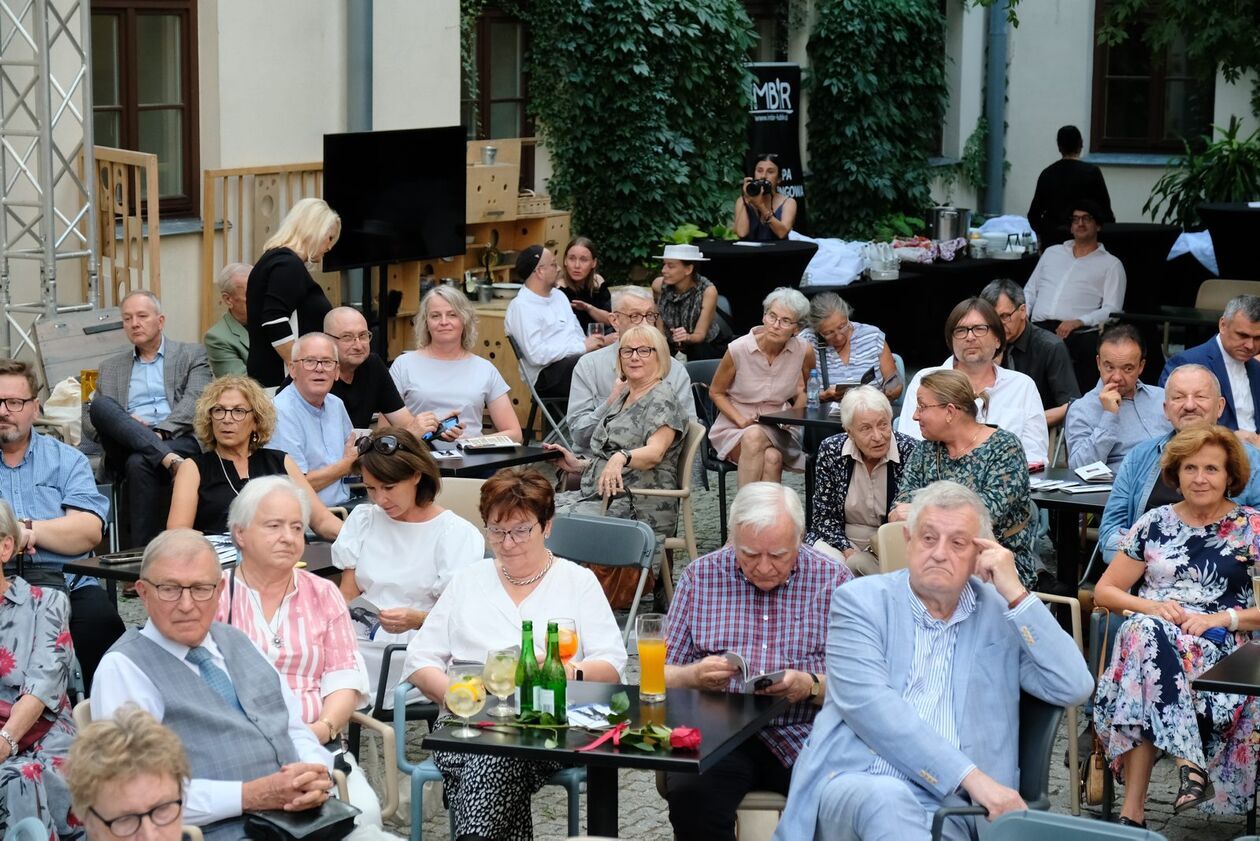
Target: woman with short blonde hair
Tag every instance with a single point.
(281, 289)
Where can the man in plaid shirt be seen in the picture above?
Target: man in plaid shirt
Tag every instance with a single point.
(765, 597)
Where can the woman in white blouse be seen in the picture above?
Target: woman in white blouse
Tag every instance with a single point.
(400, 552)
(442, 376)
(482, 610)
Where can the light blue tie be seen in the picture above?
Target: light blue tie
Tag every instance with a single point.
(214, 676)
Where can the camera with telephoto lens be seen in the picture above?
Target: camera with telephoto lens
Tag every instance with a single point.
(758, 186)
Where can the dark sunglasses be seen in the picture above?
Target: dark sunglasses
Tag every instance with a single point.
(386, 445)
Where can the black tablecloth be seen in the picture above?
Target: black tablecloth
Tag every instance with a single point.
(1235, 228)
(745, 274)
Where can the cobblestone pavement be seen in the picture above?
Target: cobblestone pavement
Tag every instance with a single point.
(644, 814)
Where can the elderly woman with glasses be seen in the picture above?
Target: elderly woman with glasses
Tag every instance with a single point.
(858, 472)
(977, 340)
(763, 372)
(481, 611)
(233, 420)
(443, 378)
(36, 727)
(126, 776)
(849, 351)
(399, 552)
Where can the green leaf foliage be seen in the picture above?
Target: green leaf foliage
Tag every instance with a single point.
(877, 92)
(1227, 170)
(642, 105)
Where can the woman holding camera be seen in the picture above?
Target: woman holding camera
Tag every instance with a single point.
(761, 214)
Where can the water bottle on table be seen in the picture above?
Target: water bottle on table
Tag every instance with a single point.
(813, 390)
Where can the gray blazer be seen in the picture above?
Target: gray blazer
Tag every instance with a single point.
(870, 651)
(185, 374)
(227, 346)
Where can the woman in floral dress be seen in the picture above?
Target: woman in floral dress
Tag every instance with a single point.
(35, 655)
(1194, 560)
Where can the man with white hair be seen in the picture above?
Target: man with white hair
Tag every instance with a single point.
(595, 387)
(227, 340)
(363, 382)
(925, 668)
(240, 723)
(311, 422)
(142, 411)
(762, 597)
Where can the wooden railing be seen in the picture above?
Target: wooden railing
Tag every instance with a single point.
(241, 209)
(127, 220)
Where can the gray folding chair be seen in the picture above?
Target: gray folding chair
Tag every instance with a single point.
(607, 541)
(1047, 826)
(537, 403)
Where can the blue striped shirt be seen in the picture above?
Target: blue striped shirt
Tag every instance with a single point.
(866, 343)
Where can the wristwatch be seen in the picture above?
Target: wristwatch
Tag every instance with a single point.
(817, 687)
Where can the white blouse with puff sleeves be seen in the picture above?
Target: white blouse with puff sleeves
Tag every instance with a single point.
(475, 615)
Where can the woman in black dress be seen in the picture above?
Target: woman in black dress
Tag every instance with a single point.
(233, 420)
(281, 289)
(582, 284)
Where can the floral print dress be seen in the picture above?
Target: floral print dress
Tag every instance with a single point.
(1145, 694)
(35, 655)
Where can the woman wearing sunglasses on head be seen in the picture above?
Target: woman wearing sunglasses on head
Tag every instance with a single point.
(233, 420)
(399, 552)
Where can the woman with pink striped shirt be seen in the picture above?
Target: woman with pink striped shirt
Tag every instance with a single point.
(298, 620)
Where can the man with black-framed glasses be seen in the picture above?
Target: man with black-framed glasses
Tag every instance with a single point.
(595, 386)
(312, 424)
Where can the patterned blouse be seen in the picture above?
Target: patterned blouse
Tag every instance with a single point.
(682, 309)
(996, 470)
(833, 471)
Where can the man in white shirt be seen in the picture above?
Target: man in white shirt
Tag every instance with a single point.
(974, 332)
(208, 683)
(1075, 288)
(1230, 356)
(595, 385)
(541, 320)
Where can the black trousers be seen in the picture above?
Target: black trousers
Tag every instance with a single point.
(702, 806)
(1082, 348)
(94, 621)
(554, 380)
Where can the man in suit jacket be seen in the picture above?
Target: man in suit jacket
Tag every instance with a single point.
(924, 672)
(142, 410)
(227, 340)
(1229, 355)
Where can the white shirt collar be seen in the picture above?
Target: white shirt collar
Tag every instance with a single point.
(176, 649)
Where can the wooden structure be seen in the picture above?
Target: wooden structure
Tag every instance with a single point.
(127, 224)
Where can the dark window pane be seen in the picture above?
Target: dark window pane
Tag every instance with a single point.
(105, 59)
(1130, 58)
(161, 132)
(1187, 109)
(1175, 63)
(505, 61)
(1127, 109)
(505, 119)
(158, 48)
(105, 129)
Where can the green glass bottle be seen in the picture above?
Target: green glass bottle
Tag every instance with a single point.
(552, 681)
(526, 670)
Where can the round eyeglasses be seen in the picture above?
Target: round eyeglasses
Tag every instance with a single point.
(163, 814)
(238, 413)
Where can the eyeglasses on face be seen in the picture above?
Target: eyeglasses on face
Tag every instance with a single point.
(497, 535)
(1005, 317)
(163, 814)
(638, 317)
(386, 445)
(16, 404)
(643, 352)
(919, 407)
(772, 320)
(312, 364)
(349, 338)
(174, 592)
(839, 331)
(1081, 217)
(238, 413)
(977, 330)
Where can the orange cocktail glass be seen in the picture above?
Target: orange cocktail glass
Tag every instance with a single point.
(568, 638)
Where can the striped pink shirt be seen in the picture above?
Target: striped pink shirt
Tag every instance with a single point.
(316, 651)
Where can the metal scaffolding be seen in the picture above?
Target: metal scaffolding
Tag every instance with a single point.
(46, 202)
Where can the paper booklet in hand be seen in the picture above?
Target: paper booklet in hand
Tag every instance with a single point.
(752, 682)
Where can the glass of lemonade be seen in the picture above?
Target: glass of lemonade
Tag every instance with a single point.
(465, 695)
(650, 629)
(568, 639)
(500, 679)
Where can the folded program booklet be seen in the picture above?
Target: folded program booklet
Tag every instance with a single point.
(488, 442)
(752, 682)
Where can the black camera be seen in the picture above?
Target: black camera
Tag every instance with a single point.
(758, 186)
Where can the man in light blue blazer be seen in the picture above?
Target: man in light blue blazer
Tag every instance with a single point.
(925, 668)
(1230, 356)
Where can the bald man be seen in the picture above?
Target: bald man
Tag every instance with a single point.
(363, 382)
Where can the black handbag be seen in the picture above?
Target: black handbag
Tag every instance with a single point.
(332, 821)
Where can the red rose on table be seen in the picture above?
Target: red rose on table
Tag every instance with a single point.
(684, 738)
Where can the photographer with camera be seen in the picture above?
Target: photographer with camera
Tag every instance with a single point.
(761, 214)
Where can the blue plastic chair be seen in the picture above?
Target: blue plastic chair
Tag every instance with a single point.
(1048, 826)
(570, 778)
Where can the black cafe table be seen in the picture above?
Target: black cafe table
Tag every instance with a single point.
(746, 272)
(475, 465)
(1064, 509)
(818, 423)
(725, 720)
(1200, 323)
(1237, 674)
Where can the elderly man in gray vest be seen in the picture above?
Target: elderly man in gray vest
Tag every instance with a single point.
(239, 722)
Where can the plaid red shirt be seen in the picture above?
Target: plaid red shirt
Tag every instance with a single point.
(716, 609)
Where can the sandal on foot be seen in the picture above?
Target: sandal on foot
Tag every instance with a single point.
(1195, 785)
(1123, 821)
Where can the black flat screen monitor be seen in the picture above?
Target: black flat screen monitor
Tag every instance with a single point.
(400, 195)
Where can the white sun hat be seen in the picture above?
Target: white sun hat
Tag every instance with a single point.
(689, 253)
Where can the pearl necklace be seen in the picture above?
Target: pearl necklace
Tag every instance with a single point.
(525, 582)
